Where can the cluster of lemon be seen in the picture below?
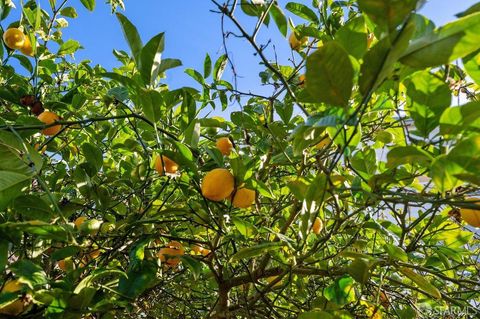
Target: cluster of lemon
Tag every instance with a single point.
(219, 183)
(24, 300)
(94, 226)
(171, 253)
(15, 39)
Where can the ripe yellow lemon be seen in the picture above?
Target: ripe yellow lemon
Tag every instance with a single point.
(317, 226)
(27, 48)
(323, 143)
(296, 43)
(243, 198)
(302, 80)
(224, 145)
(164, 162)
(66, 264)
(197, 249)
(170, 254)
(218, 184)
(14, 38)
(18, 306)
(200, 250)
(62, 265)
(94, 254)
(79, 221)
(36, 147)
(471, 216)
(48, 117)
(271, 279)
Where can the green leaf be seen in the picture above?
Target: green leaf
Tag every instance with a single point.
(341, 291)
(168, 64)
(184, 151)
(249, 8)
(285, 111)
(330, 75)
(353, 37)
(254, 10)
(125, 81)
(245, 228)
(65, 252)
(24, 61)
(302, 11)
(316, 190)
(33, 207)
(152, 103)
(443, 173)
(137, 253)
(89, 4)
(29, 273)
(35, 227)
(467, 154)
(422, 283)
(13, 152)
(192, 134)
(396, 252)
(138, 279)
(455, 238)
(427, 89)
(68, 47)
(4, 10)
(151, 57)
(96, 275)
(350, 135)
(11, 184)
(359, 269)
(82, 298)
(365, 162)
(446, 44)
(458, 119)
(387, 13)
(12, 160)
(257, 250)
(473, 9)
(429, 97)
(472, 65)
(298, 188)
(195, 75)
(207, 66)
(407, 155)
(132, 36)
(194, 265)
(243, 119)
(280, 19)
(93, 155)
(219, 67)
(69, 12)
(379, 61)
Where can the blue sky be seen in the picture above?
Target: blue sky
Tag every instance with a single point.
(191, 31)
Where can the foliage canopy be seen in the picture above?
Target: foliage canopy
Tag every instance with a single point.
(376, 148)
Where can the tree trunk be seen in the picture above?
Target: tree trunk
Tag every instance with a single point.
(221, 309)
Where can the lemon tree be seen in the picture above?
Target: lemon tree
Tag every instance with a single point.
(343, 184)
